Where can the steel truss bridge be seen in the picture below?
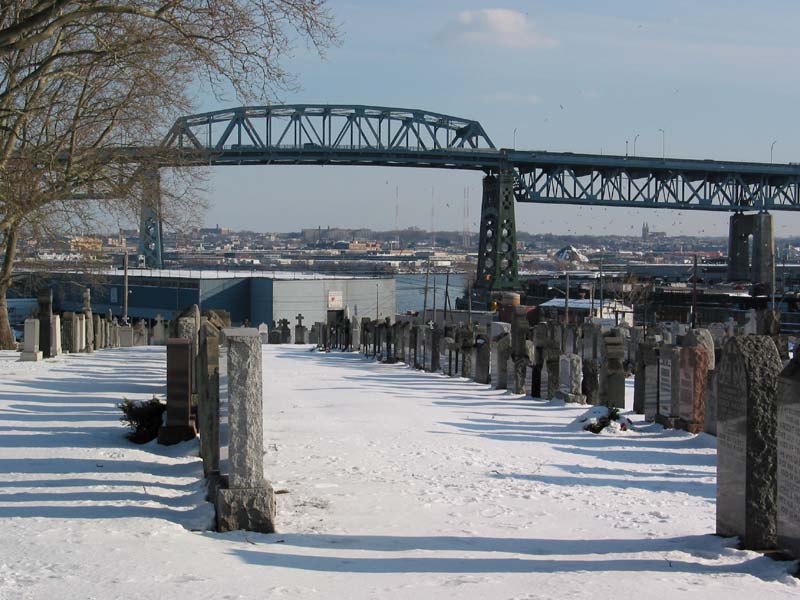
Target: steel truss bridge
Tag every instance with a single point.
(317, 134)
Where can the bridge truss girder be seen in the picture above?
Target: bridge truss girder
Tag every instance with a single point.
(657, 188)
(331, 127)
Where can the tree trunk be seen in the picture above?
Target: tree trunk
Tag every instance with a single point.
(7, 340)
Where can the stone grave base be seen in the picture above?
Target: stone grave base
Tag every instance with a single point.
(175, 434)
(566, 397)
(215, 482)
(690, 426)
(251, 509)
(667, 422)
(31, 356)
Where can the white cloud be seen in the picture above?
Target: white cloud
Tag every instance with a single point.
(496, 27)
(512, 98)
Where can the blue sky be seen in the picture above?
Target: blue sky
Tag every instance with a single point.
(719, 77)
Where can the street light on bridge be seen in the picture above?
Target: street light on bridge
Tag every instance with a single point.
(663, 143)
(636, 137)
(771, 148)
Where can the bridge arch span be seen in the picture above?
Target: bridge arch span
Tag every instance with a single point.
(325, 127)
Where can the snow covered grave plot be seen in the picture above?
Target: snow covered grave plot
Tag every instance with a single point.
(398, 484)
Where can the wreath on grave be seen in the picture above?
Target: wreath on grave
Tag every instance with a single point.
(612, 420)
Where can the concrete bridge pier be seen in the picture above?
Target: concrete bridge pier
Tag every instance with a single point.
(751, 260)
(497, 252)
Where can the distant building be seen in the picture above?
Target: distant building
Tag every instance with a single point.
(85, 244)
(650, 235)
(250, 296)
(580, 310)
(335, 234)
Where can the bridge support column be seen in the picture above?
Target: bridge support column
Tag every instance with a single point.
(756, 264)
(150, 245)
(739, 247)
(497, 252)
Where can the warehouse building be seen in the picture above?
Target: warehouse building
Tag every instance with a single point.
(251, 297)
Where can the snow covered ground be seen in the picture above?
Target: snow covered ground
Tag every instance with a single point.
(397, 484)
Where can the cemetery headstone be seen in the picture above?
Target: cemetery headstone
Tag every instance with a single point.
(140, 334)
(126, 336)
(160, 331)
(788, 520)
(465, 349)
(502, 345)
(45, 301)
(81, 327)
(208, 398)
(697, 359)
(571, 379)
(30, 348)
(436, 343)
(300, 331)
(552, 365)
(179, 424)
(648, 357)
(747, 390)
(612, 371)
(88, 321)
(274, 336)
(483, 357)
(249, 501)
(69, 332)
(669, 385)
(693, 388)
(286, 334)
(97, 340)
(55, 336)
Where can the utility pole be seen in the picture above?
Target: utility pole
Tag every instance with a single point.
(772, 250)
(434, 298)
(397, 215)
(425, 299)
(469, 301)
(694, 294)
(125, 289)
(601, 288)
(446, 294)
(424, 310)
(433, 230)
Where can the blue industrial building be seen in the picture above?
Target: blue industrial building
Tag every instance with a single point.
(250, 296)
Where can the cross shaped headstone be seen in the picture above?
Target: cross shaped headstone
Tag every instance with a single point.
(300, 318)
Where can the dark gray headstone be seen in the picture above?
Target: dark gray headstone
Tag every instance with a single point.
(179, 425)
(45, 300)
(747, 390)
(483, 356)
(612, 371)
(669, 385)
(789, 457)
(208, 395)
